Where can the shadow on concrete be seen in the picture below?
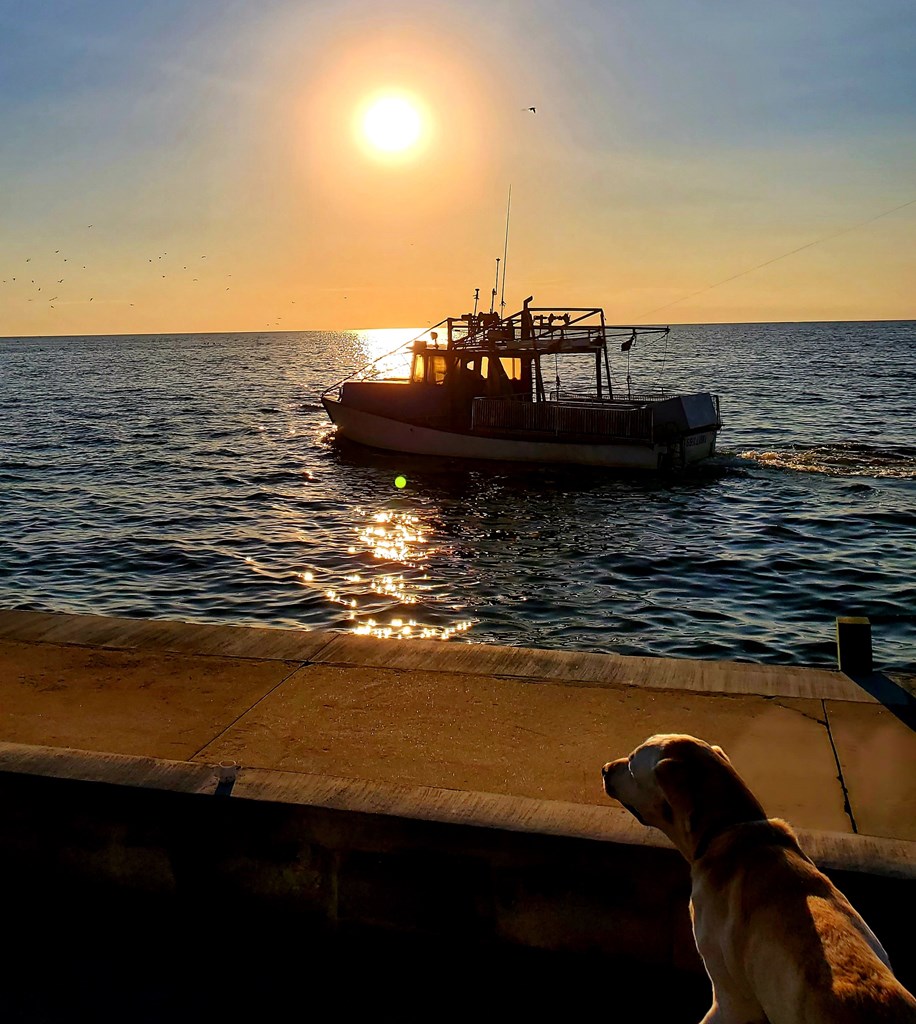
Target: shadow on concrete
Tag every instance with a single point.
(891, 695)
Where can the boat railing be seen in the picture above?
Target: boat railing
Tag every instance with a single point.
(537, 327)
(593, 398)
(566, 421)
(544, 328)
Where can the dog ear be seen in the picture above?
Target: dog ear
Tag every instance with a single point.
(721, 753)
(680, 783)
(672, 776)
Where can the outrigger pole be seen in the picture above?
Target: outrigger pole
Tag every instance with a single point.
(502, 298)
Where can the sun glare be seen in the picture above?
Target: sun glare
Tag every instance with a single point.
(392, 124)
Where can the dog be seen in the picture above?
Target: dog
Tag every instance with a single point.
(780, 943)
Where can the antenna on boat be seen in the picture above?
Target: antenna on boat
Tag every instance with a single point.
(495, 287)
(476, 297)
(502, 298)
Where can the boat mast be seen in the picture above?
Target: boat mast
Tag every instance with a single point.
(476, 297)
(495, 287)
(502, 298)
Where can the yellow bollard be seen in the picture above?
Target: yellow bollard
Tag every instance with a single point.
(853, 645)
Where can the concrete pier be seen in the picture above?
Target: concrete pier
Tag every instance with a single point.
(444, 796)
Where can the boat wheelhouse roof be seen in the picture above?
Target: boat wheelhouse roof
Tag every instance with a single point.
(533, 330)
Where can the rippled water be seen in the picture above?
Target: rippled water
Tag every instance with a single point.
(196, 477)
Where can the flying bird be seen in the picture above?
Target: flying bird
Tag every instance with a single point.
(532, 109)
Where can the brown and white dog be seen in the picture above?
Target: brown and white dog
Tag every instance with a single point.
(780, 942)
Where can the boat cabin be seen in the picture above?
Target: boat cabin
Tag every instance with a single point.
(479, 391)
(465, 380)
(473, 373)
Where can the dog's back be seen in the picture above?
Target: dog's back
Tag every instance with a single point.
(764, 912)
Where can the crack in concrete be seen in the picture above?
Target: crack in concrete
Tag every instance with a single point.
(847, 805)
(312, 658)
(798, 711)
(222, 732)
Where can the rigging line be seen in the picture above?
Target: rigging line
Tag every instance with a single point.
(502, 300)
(378, 359)
(664, 360)
(775, 259)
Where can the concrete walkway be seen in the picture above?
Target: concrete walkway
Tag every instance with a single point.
(819, 748)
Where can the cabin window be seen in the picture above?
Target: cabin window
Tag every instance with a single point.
(484, 367)
(512, 368)
(428, 368)
(436, 369)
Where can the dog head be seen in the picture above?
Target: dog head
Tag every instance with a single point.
(683, 786)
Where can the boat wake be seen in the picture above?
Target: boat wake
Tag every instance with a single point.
(845, 459)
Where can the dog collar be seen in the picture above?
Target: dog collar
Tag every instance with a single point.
(718, 830)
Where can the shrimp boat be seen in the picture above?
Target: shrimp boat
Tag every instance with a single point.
(479, 393)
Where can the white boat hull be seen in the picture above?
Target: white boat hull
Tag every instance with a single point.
(393, 435)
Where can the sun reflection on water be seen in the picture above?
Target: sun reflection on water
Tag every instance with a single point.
(396, 536)
(410, 630)
(389, 347)
(387, 587)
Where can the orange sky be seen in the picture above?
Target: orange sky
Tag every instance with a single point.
(215, 153)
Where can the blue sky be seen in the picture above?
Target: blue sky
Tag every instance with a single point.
(674, 145)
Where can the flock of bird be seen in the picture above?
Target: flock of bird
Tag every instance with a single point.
(35, 278)
(39, 276)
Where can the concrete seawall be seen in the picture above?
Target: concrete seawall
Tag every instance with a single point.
(445, 797)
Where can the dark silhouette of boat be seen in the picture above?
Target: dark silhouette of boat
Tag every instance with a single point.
(479, 393)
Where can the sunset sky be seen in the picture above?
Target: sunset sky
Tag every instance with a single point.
(194, 165)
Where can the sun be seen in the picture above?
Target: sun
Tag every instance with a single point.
(392, 124)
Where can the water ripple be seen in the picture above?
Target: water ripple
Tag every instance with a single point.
(128, 488)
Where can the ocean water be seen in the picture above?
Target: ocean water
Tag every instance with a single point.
(196, 477)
